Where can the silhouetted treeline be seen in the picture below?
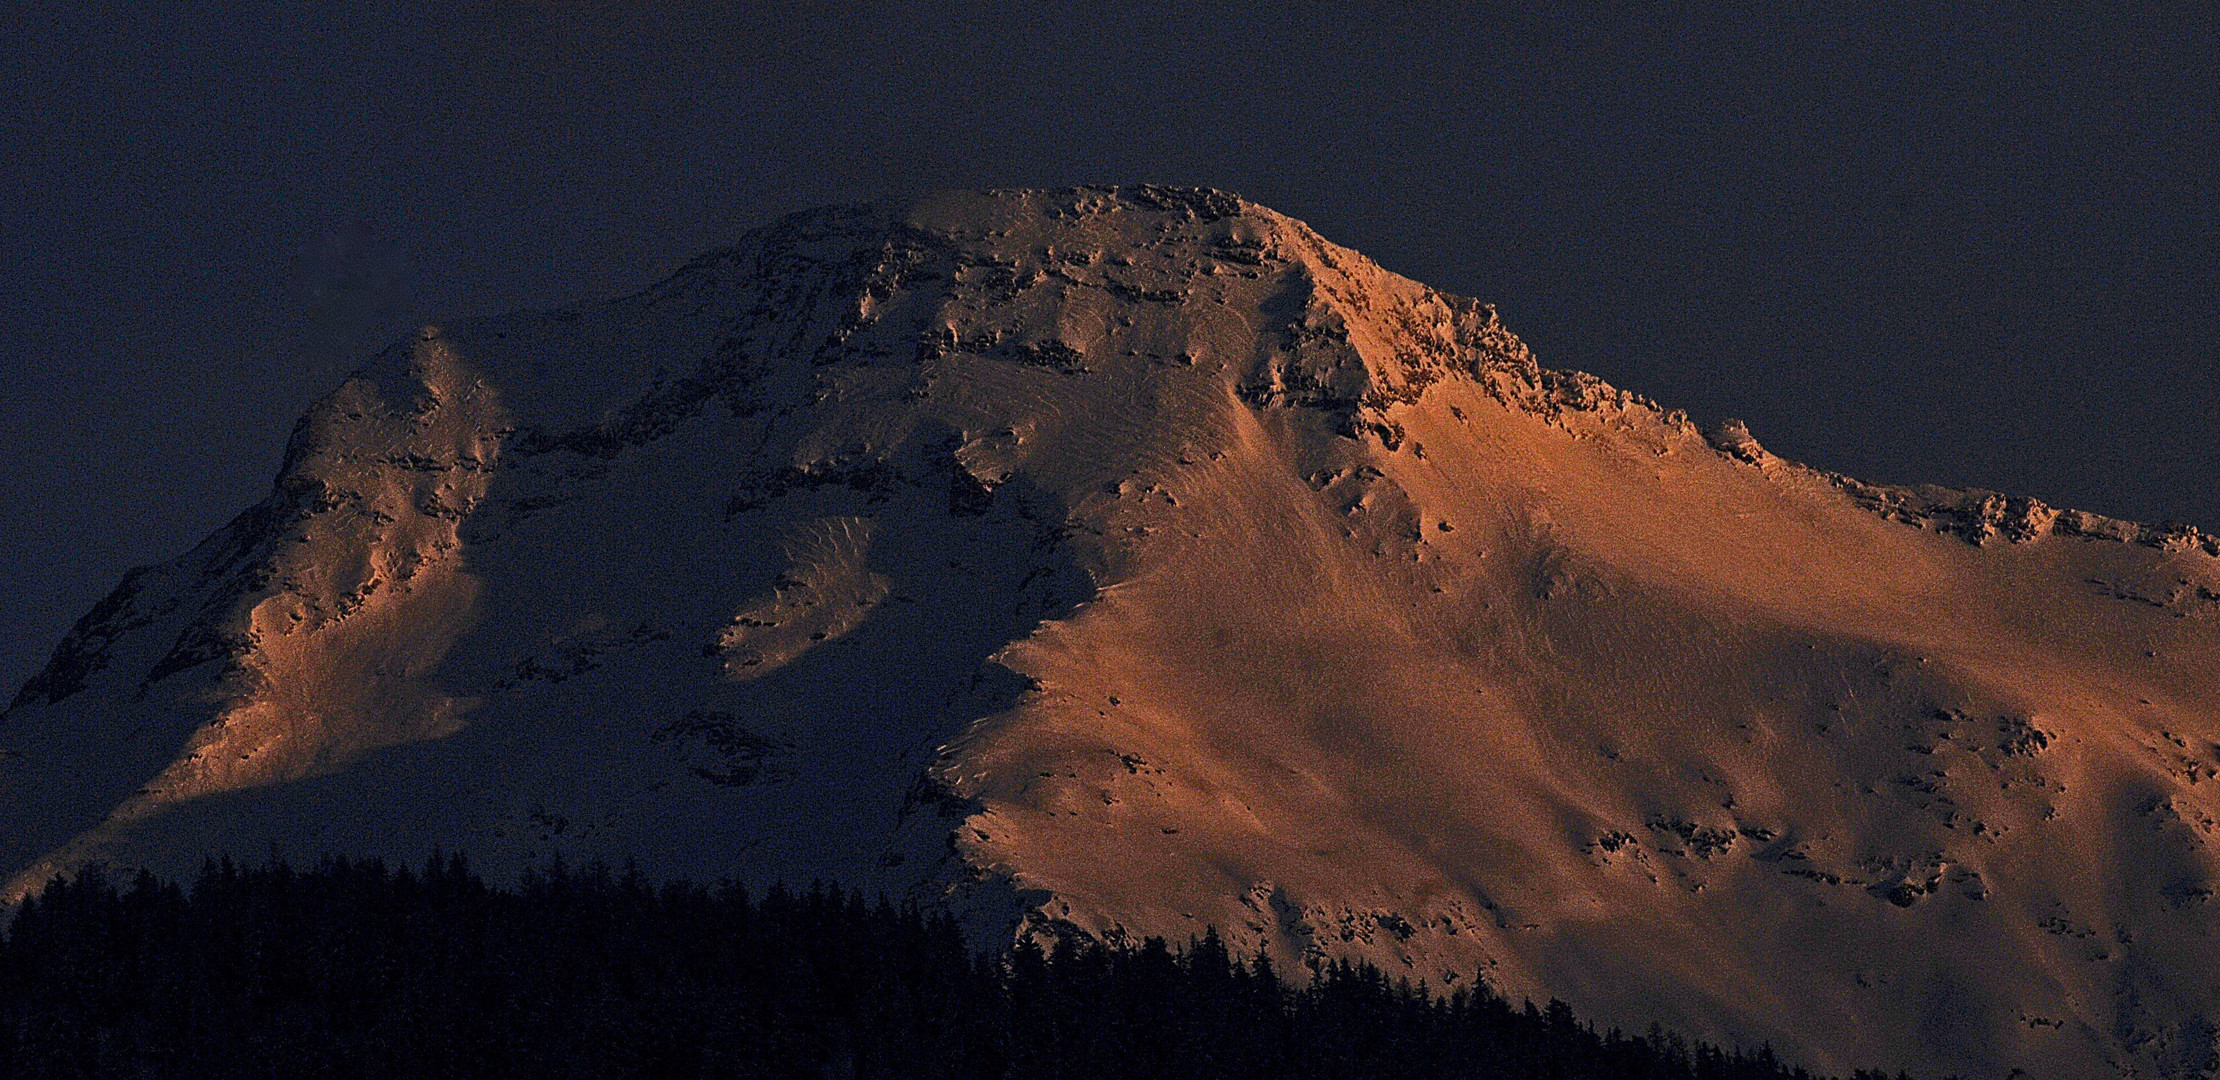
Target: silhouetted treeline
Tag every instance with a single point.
(354, 969)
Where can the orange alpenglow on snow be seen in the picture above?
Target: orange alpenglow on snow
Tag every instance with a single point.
(1132, 560)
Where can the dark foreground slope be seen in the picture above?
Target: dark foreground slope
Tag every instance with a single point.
(352, 970)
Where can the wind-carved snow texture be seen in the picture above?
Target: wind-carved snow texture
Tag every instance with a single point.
(1127, 561)
(826, 591)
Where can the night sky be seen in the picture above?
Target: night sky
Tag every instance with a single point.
(1973, 250)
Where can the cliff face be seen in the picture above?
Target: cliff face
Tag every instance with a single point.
(1133, 560)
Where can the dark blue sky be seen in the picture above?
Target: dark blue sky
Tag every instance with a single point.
(1912, 246)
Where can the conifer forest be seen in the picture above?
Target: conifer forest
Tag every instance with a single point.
(359, 969)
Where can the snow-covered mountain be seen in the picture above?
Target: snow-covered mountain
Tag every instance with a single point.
(1134, 560)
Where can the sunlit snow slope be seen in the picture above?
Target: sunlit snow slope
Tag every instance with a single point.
(1133, 560)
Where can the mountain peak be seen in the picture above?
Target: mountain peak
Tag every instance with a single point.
(1124, 561)
(1326, 327)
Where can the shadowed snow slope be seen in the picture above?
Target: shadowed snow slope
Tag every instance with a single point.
(1126, 561)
